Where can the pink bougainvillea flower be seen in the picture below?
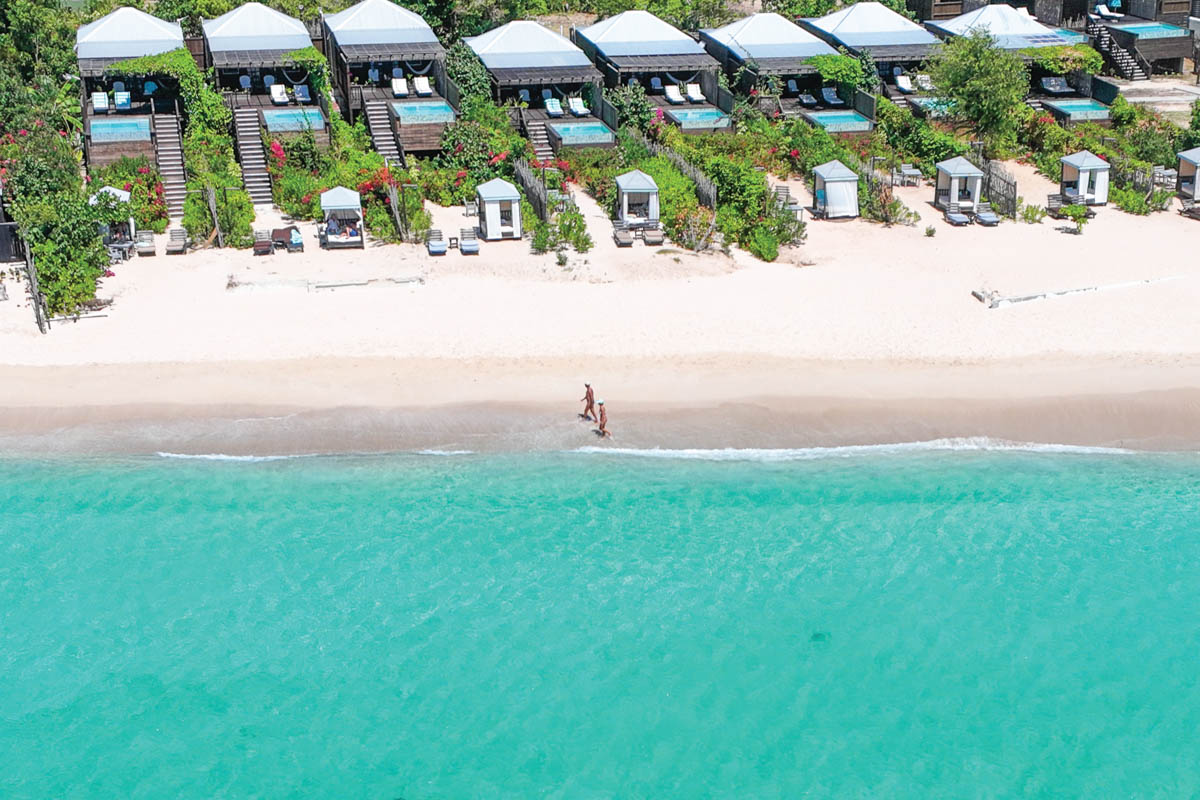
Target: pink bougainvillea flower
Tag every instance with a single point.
(23, 132)
(793, 152)
(127, 186)
(62, 133)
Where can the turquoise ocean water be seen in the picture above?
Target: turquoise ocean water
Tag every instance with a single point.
(876, 624)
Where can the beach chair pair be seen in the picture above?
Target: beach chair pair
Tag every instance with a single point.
(177, 242)
(435, 243)
(145, 244)
(830, 96)
(468, 242)
(955, 216)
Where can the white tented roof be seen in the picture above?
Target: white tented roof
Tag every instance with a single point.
(1191, 156)
(497, 189)
(121, 195)
(636, 181)
(834, 171)
(253, 26)
(379, 22)
(339, 198)
(639, 33)
(867, 24)
(761, 36)
(127, 33)
(959, 167)
(1012, 29)
(525, 44)
(1085, 160)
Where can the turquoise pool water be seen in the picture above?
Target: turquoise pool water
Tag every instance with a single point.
(776, 624)
(293, 119)
(422, 111)
(840, 121)
(1077, 109)
(933, 106)
(120, 130)
(699, 117)
(582, 133)
(1152, 30)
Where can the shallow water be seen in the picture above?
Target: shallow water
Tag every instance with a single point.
(861, 623)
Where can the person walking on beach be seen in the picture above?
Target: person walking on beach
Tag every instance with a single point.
(603, 431)
(589, 397)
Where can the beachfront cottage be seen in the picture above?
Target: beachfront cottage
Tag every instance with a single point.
(1185, 181)
(893, 41)
(1084, 179)
(499, 210)
(389, 67)
(835, 191)
(958, 182)
(343, 226)
(637, 200)
(764, 47)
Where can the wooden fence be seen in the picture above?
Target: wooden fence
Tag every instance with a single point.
(535, 190)
(999, 185)
(706, 190)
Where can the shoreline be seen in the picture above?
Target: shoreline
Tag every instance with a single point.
(518, 405)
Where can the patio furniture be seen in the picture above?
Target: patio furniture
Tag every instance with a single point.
(122, 101)
(373, 75)
(924, 82)
(145, 244)
(1054, 205)
(910, 173)
(421, 86)
(694, 94)
(301, 92)
(656, 84)
(177, 241)
(577, 107)
(905, 84)
(435, 243)
(622, 235)
(100, 102)
(149, 88)
(523, 96)
(1188, 209)
(279, 94)
(554, 108)
(471, 208)
(468, 242)
(1104, 12)
(830, 96)
(399, 87)
(674, 97)
(453, 245)
(268, 81)
(985, 216)
(263, 246)
(793, 88)
(288, 238)
(244, 82)
(1056, 86)
(652, 236)
(955, 216)
(807, 100)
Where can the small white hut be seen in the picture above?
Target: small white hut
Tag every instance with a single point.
(637, 199)
(1084, 178)
(112, 232)
(1189, 165)
(835, 191)
(342, 210)
(958, 181)
(499, 210)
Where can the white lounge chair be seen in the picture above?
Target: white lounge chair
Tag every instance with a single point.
(279, 94)
(577, 107)
(554, 107)
(904, 84)
(422, 87)
(674, 97)
(399, 87)
(100, 102)
(122, 101)
(1104, 12)
(301, 92)
(694, 94)
(924, 82)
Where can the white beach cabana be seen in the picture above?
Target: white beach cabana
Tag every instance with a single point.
(835, 191)
(767, 43)
(106, 229)
(342, 210)
(1189, 165)
(123, 34)
(637, 199)
(499, 210)
(253, 35)
(958, 181)
(888, 36)
(1084, 178)
(1012, 29)
(380, 28)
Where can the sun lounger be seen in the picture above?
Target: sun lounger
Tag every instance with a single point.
(468, 242)
(673, 95)
(1056, 86)
(288, 238)
(652, 236)
(1054, 205)
(830, 96)
(263, 246)
(694, 94)
(577, 106)
(904, 84)
(122, 101)
(177, 241)
(421, 86)
(399, 87)
(301, 92)
(145, 243)
(622, 235)
(100, 102)
(1104, 12)
(955, 216)
(985, 216)
(808, 101)
(554, 108)
(924, 82)
(1188, 209)
(435, 243)
(279, 94)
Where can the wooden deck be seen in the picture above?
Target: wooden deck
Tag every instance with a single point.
(101, 154)
(246, 100)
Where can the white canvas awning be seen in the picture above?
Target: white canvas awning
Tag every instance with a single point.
(1191, 156)
(1085, 160)
(127, 33)
(1012, 29)
(959, 167)
(121, 195)
(636, 181)
(379, 22)
(872, 25)
(497, 189)
(760, 37)
(639, 33)
(255, 27)
(339, 198)
(524, 44)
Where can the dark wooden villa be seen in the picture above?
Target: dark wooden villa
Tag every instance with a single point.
(388, 66)
(131, 114)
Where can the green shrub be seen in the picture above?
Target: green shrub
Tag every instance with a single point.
(467, 71)
(1031, 215)
(572, 230)
(1077, 214)
(930, 231)
(762, 244)
(140, 178)
(61, 230)
(633, 109)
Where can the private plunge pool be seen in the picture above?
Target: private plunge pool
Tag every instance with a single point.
(580, 134)
(423, 112)
(289, 120)
(839, 121)
(120, 130)
(1151, 30)
(1085, 109)
(698, 119)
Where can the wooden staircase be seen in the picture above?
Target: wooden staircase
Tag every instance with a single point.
(535, 131)
(383, 136)
(168, 152)
(1125, 63)
(255, 177)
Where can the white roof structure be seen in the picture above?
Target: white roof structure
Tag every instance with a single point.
(127, 33)
(636, 181)
(339, 198)
(767, 37)
(1011, 28)
(959, 167)
(834, 171)
(121, 195)
(524, 45)
(252, 27)
(1190, 156)
(872, 25)
(375, 22)
(1085, 160)
(497, 189)
(638, 33)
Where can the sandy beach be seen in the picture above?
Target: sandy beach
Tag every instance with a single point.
(863, 334)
